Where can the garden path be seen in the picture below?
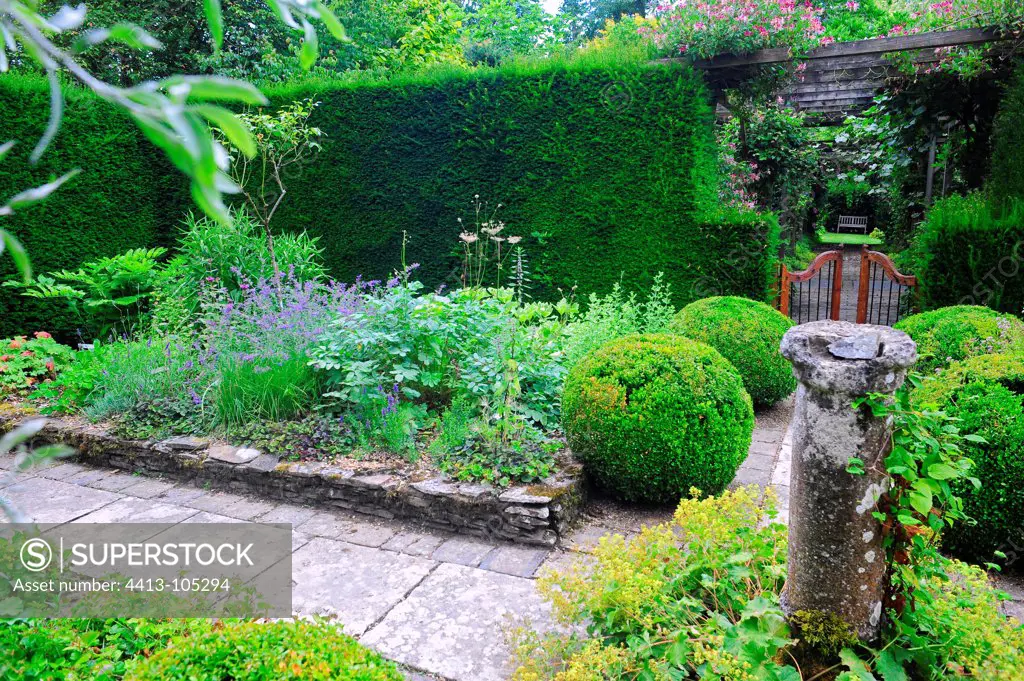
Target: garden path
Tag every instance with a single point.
(438, 604)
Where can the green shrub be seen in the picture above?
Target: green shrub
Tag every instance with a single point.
(652, 416)
(83, 649)
(616, 315)
(702, 592)
(987, 394)
(951, 334)
(274, 651)
(748, 334)
(27, 362)
(238, 253)
(105, 296)
(1006, 181)
(231, 257)
(970, 253)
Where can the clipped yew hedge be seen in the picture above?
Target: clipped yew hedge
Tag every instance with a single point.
(606, 169)
(127, 195)
(607, 172)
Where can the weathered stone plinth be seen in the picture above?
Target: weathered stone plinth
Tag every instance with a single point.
(836, 560)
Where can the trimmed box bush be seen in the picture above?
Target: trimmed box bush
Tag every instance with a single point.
(987, 393)
(951, 334)
(651, 416)
(748, 334)
(269, 651)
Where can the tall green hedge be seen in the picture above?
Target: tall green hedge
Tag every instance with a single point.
(607, 170)
(972, 254)
(603, 171)
(1007, 178)
(127, 195)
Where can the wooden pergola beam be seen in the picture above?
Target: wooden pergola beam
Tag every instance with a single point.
(920, 41)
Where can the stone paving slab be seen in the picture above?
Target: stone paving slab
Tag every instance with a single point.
(207, 517)
(357, 584)
(53, 501)
(148, 488)
(286, 513)
(214, 502)
(135, 510)
(181, 494)
(59, 471)
(248, 509)
(115, 481)
(518, 561)
(354, 531)
(89, 477)
(414, 543)
(462, 551)
(586, 538)
(462, 609)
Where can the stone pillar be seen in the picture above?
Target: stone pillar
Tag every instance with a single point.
(836, 561)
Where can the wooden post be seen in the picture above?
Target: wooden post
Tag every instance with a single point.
(929, 184)
(863, 286)
(784, 291)
(837, 289)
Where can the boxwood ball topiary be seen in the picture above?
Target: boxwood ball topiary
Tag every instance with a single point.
(951, 334)
(651, 416)
(748, 334)
(987, 394)
(269, 651)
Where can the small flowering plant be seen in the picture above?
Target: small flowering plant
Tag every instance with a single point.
(27, 362)
(485, 246)
(706, 28)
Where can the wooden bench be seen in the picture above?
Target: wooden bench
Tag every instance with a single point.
(852, 224)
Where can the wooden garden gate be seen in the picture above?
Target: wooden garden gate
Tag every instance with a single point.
(835, 286)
